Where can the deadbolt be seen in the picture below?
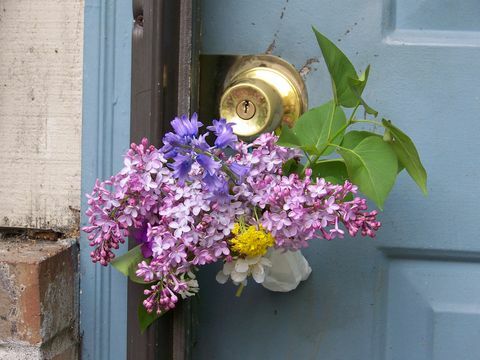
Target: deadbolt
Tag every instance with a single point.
(260, 93)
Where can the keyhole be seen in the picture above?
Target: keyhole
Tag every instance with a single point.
(246, 103)
(246, 109)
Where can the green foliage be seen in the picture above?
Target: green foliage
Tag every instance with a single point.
(292, 166)
(407, 155)
(369, 160)
(332, 170)
(127, 265)
(347, 86)
(145, 319)
(340, 69)
(128, 262)
(315, 129)
(372, 165)
(353, 138)
(357, 86)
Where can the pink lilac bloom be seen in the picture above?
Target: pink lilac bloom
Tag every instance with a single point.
(296, 209)
(180, 203)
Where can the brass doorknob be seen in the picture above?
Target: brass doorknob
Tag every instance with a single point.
(260, 93)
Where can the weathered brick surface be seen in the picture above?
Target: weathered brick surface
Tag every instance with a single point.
(38, 299)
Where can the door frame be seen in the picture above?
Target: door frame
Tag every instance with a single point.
(115, 55)
(164, 84)
(105, 136)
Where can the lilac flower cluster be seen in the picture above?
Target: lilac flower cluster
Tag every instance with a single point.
(186, 147)
(295, 210)
(181, 202)
(125, 201)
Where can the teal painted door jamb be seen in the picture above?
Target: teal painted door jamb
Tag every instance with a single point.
(105, 136)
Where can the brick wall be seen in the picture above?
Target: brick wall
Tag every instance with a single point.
(38, 299)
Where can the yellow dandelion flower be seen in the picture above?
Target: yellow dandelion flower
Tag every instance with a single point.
(250, 241)
(236, 228)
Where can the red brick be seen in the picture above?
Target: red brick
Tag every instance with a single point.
(38, 294)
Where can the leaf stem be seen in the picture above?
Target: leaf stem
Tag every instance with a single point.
(314, 159)
(307, 156)
(350, 120)
(325, 161)
(367, 121)
(256, 216)
(340, 147)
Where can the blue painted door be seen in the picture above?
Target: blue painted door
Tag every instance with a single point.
(413, 293)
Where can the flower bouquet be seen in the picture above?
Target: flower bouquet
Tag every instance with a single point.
(208, 196)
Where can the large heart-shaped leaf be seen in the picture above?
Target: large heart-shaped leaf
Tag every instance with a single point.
(407, 155)
(128, 262)
(340, 69)
(354, 137)
(372, 165)
(315, 129)
(332, 170)
(288, 138)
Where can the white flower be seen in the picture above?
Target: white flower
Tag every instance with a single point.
(192, 283)
(239, 269)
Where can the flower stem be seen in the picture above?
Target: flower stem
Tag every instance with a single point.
(315, 158)
(256, 215)
(239, 290)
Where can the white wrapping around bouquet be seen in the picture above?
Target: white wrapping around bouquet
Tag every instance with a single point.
(288, 269)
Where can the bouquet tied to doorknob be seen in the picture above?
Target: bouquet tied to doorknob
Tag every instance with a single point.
(207, 196)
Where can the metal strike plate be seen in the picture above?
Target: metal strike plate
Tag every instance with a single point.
(257, 93)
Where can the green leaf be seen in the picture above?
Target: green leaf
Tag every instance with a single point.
(400, 166)
(387, 136)
(333, 170)
(288, 138)
(407, 155)
(372, 165)
(145, 319)
(354, 137)
(291, 166)
(340, 69)
(315, 128)
(357, 86)
(128, 262)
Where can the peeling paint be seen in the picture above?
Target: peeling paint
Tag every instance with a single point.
(307, 67)
(271, 47)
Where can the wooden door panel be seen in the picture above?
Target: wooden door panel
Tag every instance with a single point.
(402, 295)
(432, 309)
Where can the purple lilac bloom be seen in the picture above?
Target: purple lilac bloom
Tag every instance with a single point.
(182, 213)
(140, 236)
(297, 210)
